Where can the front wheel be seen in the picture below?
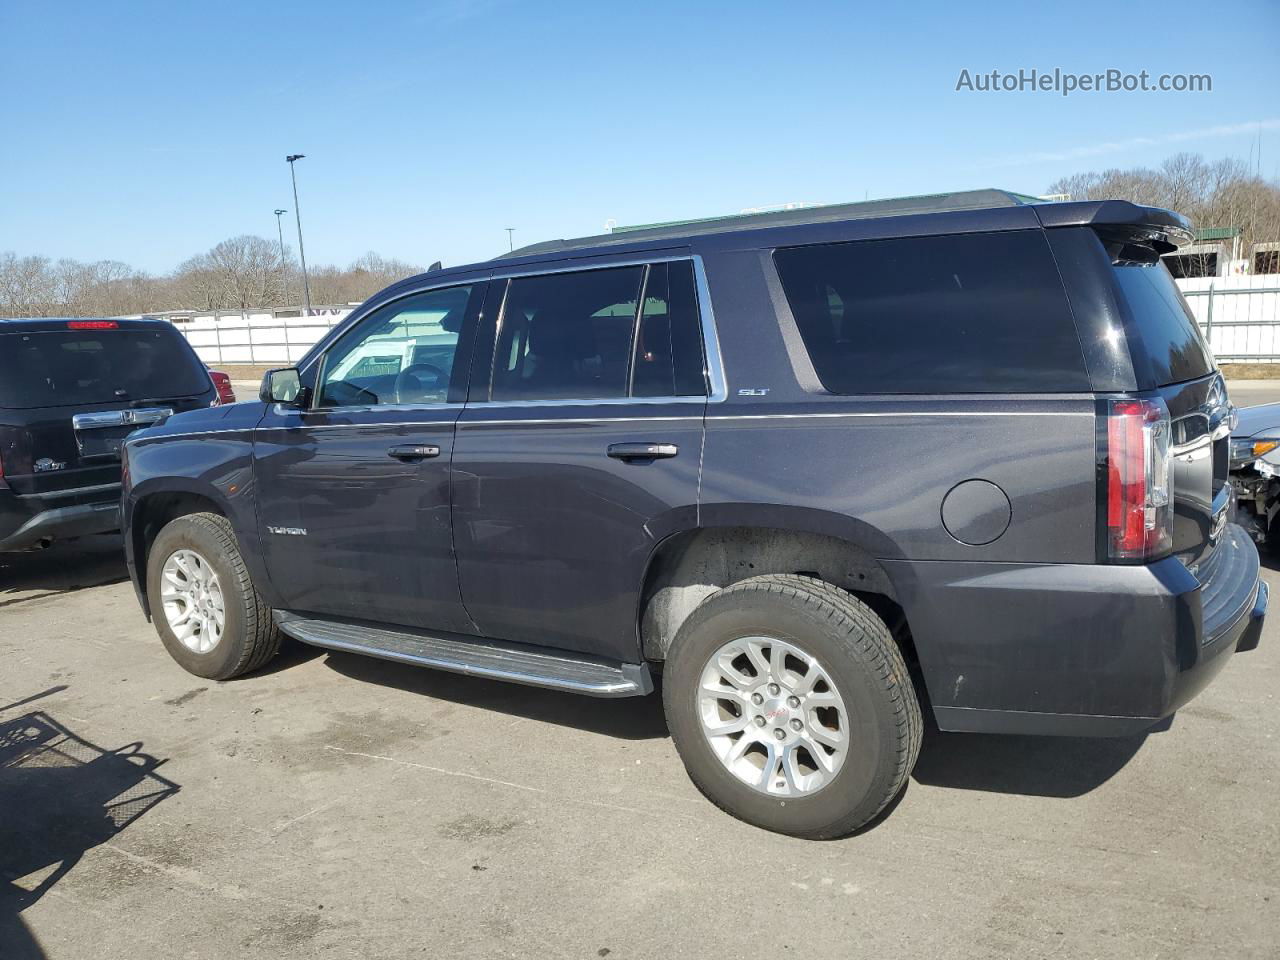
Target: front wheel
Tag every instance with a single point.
(205, 608)
(791, 706)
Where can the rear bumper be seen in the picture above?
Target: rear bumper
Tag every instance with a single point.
(25, 521)
(1077, 650)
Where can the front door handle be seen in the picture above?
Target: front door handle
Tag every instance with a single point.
(414, 451)
(642, 451)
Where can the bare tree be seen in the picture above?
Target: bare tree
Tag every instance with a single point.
(242, 273)
(26, 286)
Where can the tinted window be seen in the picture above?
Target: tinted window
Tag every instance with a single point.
(668, 358)
(567, 335)
(976, 313)
(401, 353)
(1166, 327)
(57, 368)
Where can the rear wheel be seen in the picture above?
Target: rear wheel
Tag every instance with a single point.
(791, 706)
(204, 606)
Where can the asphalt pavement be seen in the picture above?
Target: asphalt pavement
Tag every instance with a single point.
(337, 806)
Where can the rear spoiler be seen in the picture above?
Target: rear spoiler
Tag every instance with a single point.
(1119, 220)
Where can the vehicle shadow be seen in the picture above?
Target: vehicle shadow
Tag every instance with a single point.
(61, 568)
(628, 718)
(1060, 767)
(60, 796)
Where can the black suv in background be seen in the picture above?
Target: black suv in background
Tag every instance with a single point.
(818, 467)
(70, 392)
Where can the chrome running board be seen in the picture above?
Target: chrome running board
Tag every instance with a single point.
(478, 657)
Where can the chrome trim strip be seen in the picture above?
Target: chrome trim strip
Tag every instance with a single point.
(69, 492)
(130, 440)
(134, 416)
(597, 402)
(293, 425)
(569, 420)
(281, 410)
(623, 260)
(901, 413)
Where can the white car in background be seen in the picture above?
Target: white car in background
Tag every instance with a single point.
(1255, 469)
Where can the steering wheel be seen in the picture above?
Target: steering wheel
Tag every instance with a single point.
(408, 380)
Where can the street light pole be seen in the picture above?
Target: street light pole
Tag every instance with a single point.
(511, 244)
(302, 254)
(284, 266)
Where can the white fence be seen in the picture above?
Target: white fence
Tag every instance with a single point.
(1239, 315)
(265, 337)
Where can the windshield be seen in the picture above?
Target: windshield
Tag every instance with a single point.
(59, 368)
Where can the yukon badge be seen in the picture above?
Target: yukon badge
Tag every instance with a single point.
(288, 531)
(45, 465)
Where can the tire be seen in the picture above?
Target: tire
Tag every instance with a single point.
(857, 660)
(249, 637)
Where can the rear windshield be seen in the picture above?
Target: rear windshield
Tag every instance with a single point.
(1166, 327)
(60, 368)
(964, 313)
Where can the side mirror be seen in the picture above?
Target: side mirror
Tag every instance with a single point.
(282, 386)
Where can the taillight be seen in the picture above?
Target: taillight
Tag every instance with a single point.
(1139, 488)
(92, 325)
(222, 383)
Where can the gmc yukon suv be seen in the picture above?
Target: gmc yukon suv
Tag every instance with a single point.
(817, 468)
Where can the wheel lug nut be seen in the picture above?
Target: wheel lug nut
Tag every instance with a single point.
(757, 699)
(793, 702)
(796, 725)
(779, 734)
(759, 721)
(774, 689)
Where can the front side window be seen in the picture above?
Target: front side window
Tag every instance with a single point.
(600, 335)
(401, 353)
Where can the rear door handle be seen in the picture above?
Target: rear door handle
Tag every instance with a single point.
(414, 451)
(642, 451)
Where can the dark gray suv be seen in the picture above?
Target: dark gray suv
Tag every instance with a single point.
(817, 468)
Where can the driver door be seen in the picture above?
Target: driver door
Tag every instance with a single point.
(353, 492)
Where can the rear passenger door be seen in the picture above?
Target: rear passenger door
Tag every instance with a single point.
(579, 449)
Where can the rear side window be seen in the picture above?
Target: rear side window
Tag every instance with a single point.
(965, 313)
(600, 334)
(63, 368)
(567, 335)
(1166, 327)
(668, 359)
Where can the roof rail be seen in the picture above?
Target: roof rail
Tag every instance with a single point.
(895, 206)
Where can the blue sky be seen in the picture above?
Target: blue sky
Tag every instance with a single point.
(147, 132)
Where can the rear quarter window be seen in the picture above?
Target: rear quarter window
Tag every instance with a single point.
(964, 313)
(1173, 347)
(53, 368)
